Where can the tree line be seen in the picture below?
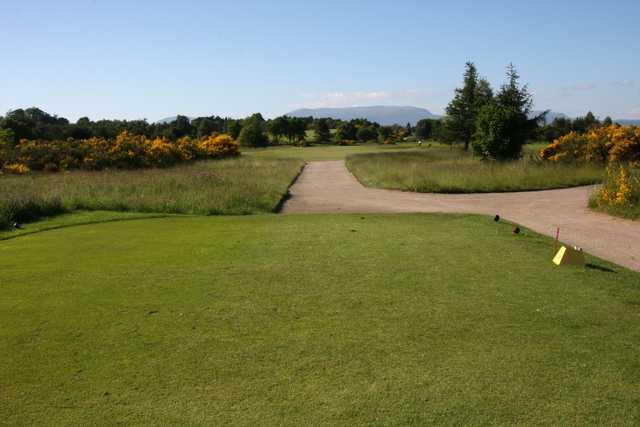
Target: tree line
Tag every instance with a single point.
(493, 124)
(561, 126)
(36, 124)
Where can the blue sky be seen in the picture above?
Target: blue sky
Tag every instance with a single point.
(153, 59)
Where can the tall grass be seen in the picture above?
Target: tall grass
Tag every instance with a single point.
(219, 187)
(443, 170)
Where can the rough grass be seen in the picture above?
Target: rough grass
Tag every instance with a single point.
(625, 211)
(233, 186)
(307, 320)
(445, 170)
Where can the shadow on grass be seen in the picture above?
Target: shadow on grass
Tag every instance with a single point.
(81, 223)
(592, 266)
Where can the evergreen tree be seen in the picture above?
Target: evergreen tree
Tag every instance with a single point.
(503, 126)
(463, 110)
(278, 127)
(253, 132)
(346, 131)
(323, 133)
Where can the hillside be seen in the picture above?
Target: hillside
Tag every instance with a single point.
(385, 115)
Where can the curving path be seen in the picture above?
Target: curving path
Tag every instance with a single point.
(328, 187)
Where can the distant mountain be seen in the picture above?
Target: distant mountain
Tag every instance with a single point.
(551, 115)
(634, 122)
(169, 120)
(384, 114)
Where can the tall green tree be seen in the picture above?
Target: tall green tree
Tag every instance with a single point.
(233, 128)
(503, 126)
(367, 133)
(253, 132)
(484, 93)
(346, 131)
(278, 127)
(323, 133)
(463, 109)
(204, 126)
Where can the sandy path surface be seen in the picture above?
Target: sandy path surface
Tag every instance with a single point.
(328, 187)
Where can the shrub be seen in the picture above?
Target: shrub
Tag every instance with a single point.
(621, 188)
(367, 133)
(126, 151)
(600, 144)
(218, 146)
(253, 133)
(17, 168)
(500, 132)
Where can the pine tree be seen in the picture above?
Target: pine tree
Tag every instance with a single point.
(323, 133)
(462, 111)
(503, 126)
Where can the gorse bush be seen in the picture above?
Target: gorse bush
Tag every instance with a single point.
(606, 144)
(126, 151)
(616, 146)
(620, 192)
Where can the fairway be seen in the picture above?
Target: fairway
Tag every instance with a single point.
(309, 319)
(327, 152)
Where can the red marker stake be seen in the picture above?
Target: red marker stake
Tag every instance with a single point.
(555, 244)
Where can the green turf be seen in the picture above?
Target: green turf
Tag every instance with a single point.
(73, 219)
(406, 319)
(324, 152)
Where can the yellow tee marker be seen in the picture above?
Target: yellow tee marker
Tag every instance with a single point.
(569, 256)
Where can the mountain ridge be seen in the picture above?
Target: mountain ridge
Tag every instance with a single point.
(382, 114)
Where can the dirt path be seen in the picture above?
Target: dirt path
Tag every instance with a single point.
(328, 187)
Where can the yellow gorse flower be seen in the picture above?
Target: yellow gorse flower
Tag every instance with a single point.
(125, 151)
(16, 168)
(601, 144)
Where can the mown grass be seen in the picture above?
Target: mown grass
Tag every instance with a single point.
(325, 151)
(446, 170)
(312, 319)
(233, 186)
(74, 219)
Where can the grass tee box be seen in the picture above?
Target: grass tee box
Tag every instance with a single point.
(336, 319)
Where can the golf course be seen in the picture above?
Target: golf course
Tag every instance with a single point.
(352, 318)
(338, 213)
